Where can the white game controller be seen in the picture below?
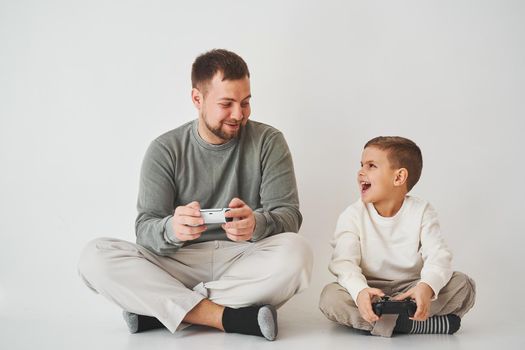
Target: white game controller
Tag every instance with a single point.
(215, 216)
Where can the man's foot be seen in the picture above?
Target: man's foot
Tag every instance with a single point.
(252, 320)
(445, 324)
(140, 323)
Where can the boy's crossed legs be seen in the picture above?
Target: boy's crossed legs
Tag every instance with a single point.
(453, 301)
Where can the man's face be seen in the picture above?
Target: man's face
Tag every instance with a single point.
(376, 176)
(223, 108)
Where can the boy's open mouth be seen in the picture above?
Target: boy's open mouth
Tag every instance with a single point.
(365, 186)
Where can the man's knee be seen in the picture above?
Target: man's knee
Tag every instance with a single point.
(294, 255)
(98, 256)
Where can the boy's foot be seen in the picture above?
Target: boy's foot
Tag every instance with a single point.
(252, 320)
(140, 323)
(445, 324)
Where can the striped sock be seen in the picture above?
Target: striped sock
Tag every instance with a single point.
(445, 324)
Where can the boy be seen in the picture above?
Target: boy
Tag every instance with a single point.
(389, 243)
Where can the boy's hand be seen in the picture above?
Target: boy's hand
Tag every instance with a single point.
(422, 293)
(364, 303)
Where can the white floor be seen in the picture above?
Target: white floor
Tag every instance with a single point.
(82, 320)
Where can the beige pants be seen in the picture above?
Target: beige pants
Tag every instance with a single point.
(457, 297)
(234, 274)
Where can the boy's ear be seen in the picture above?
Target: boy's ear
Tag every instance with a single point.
(196, 98)
(401, 177)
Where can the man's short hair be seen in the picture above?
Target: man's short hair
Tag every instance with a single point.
(231, 65)
(402, 153)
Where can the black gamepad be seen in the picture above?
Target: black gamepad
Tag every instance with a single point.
(399, 307)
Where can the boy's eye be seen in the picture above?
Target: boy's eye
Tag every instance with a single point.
(371, 165)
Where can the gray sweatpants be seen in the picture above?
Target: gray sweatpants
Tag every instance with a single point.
(457, 297)
(234, 274)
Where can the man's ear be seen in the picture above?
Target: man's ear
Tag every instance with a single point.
(401, 177)
(197, 98)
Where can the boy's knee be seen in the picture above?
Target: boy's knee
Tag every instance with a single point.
(335, 297)
(463, 282)
(328, 296)
(338, 306)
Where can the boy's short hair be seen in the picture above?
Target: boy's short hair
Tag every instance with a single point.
(209, 63)
(402, 153)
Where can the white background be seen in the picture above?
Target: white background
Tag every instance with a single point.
(85, 86)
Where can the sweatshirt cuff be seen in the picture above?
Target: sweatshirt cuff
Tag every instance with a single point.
(169, 233)
(354, 286)
(260, 226)
(435, 282)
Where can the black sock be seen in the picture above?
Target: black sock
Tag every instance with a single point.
(140, 323)
(445, 324)
(252, 320)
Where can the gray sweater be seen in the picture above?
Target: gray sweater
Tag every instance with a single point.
(180, 167)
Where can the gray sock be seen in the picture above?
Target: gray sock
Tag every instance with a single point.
(132, 320)
(267, 319)
(140, 323)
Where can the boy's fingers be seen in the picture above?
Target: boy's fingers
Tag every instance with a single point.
(376, 291)
(402, 296)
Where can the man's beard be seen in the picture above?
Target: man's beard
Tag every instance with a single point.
(218, 131)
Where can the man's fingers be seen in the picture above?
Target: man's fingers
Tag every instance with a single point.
(189, 230)
(239, 224)
(236, 203)
(185, 210)
(194, 205)
(190, 221)
(240, 212)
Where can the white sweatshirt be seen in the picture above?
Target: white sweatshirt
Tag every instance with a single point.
(407, 245)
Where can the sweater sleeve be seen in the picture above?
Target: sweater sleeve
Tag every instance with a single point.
(155, 202)
(346, 257)
(278, 191)
(437, 258)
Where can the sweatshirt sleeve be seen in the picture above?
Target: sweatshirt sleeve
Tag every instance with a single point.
(437, 258)
(279, 198)
(155, 202)
(346, 257)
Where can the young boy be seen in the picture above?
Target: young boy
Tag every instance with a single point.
(389, 243)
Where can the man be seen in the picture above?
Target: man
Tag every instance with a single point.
(230, 276)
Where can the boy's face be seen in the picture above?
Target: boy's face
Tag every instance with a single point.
(376, 176)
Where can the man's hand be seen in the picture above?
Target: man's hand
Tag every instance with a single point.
(422, 293)
(243, 224)
(364, 303)
(188, 223)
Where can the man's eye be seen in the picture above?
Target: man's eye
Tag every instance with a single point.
(225, 105)
(244, 105)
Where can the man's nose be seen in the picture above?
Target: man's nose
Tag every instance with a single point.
(237, 113)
